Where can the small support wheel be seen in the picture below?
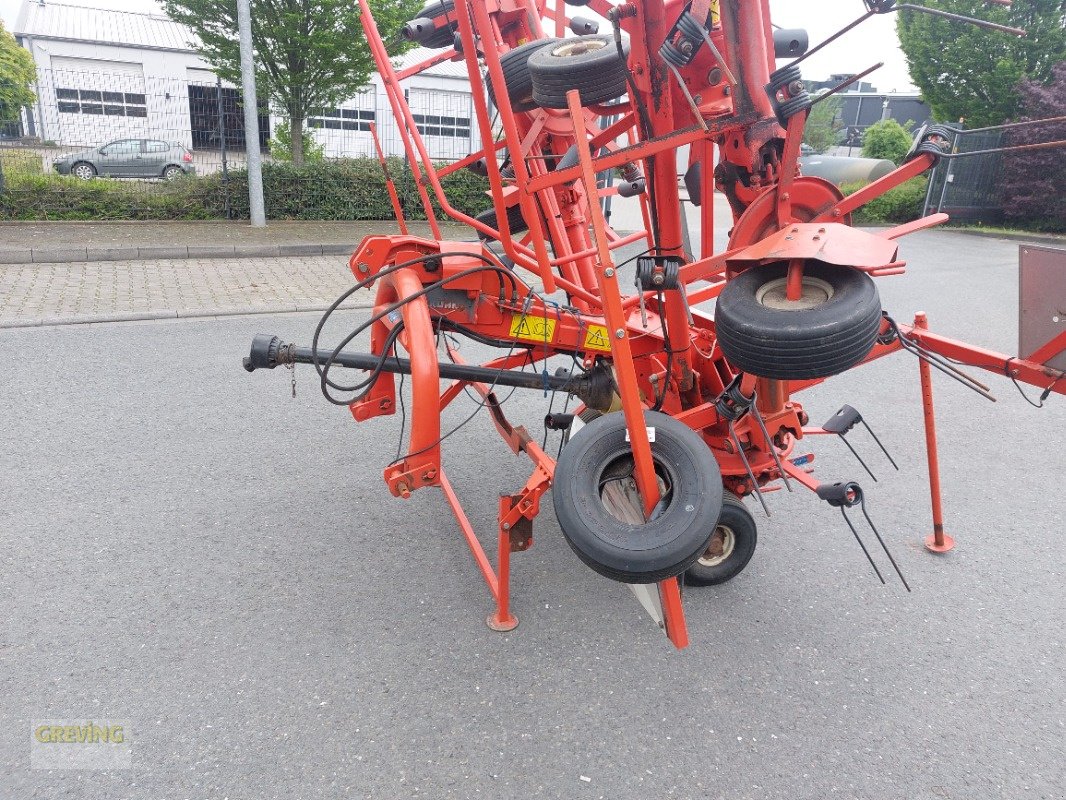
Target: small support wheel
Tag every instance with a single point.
(730, 548)
(590, 64)
(515, 221)
(442, 14)
(601, 513)
(515, 66)
(829, 329)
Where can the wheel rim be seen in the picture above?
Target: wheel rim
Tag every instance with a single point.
(619, 494)
(83, 172)
(720, 548)
(170, 173)
(774, 294)
(578, 48)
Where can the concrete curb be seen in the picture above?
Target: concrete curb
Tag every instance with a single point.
(67, 255)
(1025, 238)
(168, 313)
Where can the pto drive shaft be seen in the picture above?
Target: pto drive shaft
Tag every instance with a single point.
(595, 388)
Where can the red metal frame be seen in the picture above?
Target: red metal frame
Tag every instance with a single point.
(570, 246)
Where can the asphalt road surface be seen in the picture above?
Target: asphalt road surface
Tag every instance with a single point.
(187, 548)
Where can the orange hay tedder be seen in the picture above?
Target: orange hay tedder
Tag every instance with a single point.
(651, 496)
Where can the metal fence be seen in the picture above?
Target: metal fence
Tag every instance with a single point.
(128, 128)
(966, 188)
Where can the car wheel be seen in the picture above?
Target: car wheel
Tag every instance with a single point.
(172, 172)
(83, 170)
(831, 328)
(590, 64)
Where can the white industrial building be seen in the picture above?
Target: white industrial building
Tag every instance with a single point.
(105, 74)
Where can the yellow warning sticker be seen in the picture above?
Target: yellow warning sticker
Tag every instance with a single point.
(536, 329)
(596, 338)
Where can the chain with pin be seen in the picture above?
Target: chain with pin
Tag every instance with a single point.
(291, 367)
(731, 406)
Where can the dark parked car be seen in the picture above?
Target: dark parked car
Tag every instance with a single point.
(129, 158)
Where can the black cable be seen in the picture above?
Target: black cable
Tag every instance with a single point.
(324, 372)
(367, 281)
(669, 356)
(480, 405)
(403, 411)
(646, 129)
(388, 345)
(1044, 395)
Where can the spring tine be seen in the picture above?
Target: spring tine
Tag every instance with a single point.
(684, 299)
(858, 458)
(773, 450)
(884, 449)
(948, 369)
(937, 357)
(864, 550)
(747, 467)
(882, 541)
(688, 96)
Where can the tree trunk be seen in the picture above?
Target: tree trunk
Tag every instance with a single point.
(296, 131)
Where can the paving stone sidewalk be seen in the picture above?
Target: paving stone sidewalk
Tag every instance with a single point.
(68, 293)
(66, 242)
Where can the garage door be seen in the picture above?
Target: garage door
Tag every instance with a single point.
(97, 101)
(444, 120)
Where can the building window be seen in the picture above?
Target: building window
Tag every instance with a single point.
(433, 125)
(118, 104)
(347, 119)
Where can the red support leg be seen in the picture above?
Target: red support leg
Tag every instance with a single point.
(939, 542)
(502, 619)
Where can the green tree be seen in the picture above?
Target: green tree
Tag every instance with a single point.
(824, 126)
(281, 145)
(886, 139)
(309, 54)
(970, 73)
(17, 75)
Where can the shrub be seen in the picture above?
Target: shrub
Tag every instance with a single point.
(343, 189)
(902, 204)
(62, 197)
(20, 162)
(886, 139)
(1032, 184)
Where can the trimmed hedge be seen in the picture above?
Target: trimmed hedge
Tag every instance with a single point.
(344, 189)
(902, 204)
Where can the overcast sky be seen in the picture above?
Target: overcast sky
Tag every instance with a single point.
(873, 41)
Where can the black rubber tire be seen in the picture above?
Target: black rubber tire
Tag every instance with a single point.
(802, 344)
(515, 221)
(86, 176)
(515, 65)
(741, 525)
(444, 36)
(656, 550)
(599, 75)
